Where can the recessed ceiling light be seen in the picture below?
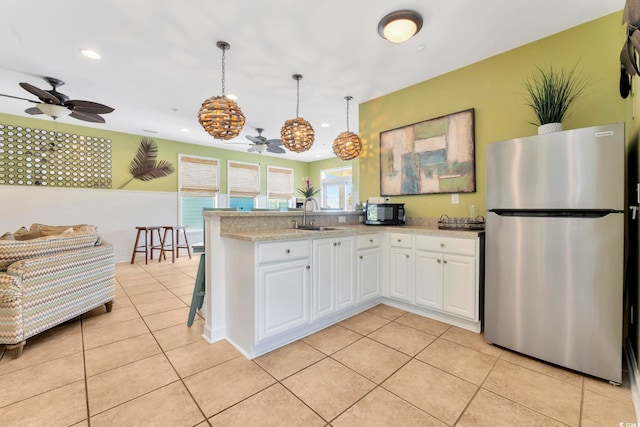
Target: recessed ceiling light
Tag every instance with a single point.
(420, 47)
(184, 130)
(400, 26)
(232, 96)
(90, 53)
(324, 125)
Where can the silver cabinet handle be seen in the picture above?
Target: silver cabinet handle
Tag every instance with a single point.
(407, 255)
(445, 261)
(335, 244)
(339, 243)
(439, 261)
(360, 256)
(307, 267)
(399, 240)
(442, 245)
(288, 251)
(370, 240)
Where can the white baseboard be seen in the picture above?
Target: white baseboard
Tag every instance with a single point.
(634, 378)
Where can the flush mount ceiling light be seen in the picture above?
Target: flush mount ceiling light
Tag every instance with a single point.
(297, 134)
(220, 116)
(400, 26)
(347, 145)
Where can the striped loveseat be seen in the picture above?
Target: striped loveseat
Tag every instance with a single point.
(48, 280)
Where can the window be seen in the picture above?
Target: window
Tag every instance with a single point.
(279, 187)
(197, 187)
(243, 182)
(336, 188)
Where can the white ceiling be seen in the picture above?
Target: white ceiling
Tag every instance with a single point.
(159, 58)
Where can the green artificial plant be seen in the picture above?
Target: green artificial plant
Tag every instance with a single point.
(551, 93)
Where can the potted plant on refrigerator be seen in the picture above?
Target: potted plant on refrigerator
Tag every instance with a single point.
(550, 93)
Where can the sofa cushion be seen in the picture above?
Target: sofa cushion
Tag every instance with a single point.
(15, 250)
(7, 236)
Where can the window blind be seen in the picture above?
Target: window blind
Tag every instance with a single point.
(279, 183)
(243, 179)
(198, 177)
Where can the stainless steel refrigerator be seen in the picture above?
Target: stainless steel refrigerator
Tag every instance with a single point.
(555, 248)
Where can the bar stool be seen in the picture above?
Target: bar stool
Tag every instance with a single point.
(148, 246)
(175, 246)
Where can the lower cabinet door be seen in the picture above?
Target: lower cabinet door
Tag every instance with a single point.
(283, 297)
(428, 279)
(459, 285)
(369, 276)
(400, 275)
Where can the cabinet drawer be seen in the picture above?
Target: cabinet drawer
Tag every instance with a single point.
(369, 241)
(399, 240)
(452, 245)
(282, 251)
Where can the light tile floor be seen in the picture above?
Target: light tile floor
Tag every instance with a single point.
(141, 365)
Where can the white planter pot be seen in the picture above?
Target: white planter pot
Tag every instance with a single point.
(549, 128)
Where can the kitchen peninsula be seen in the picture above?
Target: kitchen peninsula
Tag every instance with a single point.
(268, 283)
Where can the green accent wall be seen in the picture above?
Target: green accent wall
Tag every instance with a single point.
(494, 88)
(124, 147)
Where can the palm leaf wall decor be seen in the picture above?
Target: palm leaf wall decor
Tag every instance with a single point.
(144, 165)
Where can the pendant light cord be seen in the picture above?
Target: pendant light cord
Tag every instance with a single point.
(223, 63)
(347, 114)
(297, 98)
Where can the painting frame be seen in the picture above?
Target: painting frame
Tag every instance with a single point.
(433, 156)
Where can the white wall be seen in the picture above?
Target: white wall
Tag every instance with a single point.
(115, 212)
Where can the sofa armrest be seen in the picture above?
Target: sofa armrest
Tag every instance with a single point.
(11, 331)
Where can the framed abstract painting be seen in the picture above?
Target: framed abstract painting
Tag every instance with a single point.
(430, 157)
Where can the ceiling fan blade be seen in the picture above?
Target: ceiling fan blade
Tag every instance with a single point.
(274, 142)
(256, 139)
(87, 117)
(277, 150)
(88, 107)
(43, 95)
(33, 111)
(17, 97)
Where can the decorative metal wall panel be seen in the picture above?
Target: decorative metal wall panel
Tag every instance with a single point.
(37, 157)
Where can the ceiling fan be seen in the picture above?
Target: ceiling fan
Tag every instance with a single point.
(55, 104)
(261, 144)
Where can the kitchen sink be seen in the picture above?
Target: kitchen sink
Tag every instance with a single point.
(317, 228)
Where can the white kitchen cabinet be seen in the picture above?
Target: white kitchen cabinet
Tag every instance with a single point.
(401, 267)
(446, 275)
(333, 275)
(369, 267)
(459, 285)
(283, 287)
(428, 279)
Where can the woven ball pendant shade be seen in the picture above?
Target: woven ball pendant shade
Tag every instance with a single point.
(347, 146)
(221, 117)
(297, 135)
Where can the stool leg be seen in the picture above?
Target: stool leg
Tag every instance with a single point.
(186, 242)
(164, 242)
(135, 247)
(146, 246)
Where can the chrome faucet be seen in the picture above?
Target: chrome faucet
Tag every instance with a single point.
(304, 209)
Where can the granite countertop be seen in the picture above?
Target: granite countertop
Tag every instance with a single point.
(292, 233)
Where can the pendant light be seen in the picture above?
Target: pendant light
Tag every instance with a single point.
(347, 145)
(297, 134)
(220, 116)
